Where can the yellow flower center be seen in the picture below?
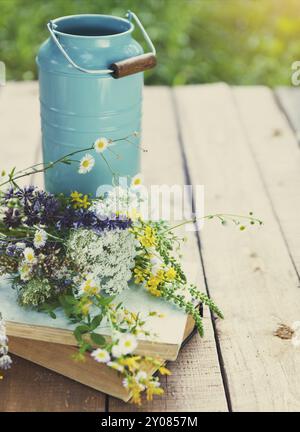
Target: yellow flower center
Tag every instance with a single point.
(86, 163)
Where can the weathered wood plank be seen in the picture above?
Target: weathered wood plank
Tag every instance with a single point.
(28, 387)
(19, 125)
(277, 155)
(196, 383)
(249, 273)
(289, 100)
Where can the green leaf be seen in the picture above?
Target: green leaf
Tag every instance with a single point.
(105, 301)
(83, 328)
(66, 162)
(70, 299)
(78, 335)
(96, 321)
(98, 339)
(79, 331)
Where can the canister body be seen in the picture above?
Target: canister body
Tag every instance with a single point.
(78, 107)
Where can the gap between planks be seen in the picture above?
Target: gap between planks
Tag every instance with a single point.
(196, 381)
(250, 274)
(276, 153)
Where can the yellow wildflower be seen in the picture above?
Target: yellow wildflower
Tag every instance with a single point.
(139, 276)
(130, 362)
(134, 214)
(85, 202)
(154, 291)
(136, 394)
(164, 371)
(171, 274)
(80, 201)
(153, 389)
(85, 306)
(153, 282)
(148, 239)
(160, 275)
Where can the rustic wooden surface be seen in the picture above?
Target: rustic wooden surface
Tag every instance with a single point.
(241, 143)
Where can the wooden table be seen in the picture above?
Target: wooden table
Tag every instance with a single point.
(242, 144)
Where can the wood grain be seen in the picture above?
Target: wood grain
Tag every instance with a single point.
(28, 387)
(133, 65)
(250, 274)
(289, 100)
(19, 125)
(277, 155)
(196, 383)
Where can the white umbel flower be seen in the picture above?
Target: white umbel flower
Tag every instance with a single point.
(101, 144)
(101, 355)
(29, 255)
(5, 362)
(40, 239)
(109, 257)
(86, 164)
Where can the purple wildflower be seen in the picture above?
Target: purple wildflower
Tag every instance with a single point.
(12, 218)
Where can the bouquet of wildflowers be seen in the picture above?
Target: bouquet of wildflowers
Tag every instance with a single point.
(77, 252)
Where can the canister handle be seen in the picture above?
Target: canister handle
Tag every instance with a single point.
(119, 69)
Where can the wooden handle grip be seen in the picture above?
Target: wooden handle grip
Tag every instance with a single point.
(133, 65)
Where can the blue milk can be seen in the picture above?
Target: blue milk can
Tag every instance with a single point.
(91, 82)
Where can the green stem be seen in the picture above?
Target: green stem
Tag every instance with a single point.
(221, 216)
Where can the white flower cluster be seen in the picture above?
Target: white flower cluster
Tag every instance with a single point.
(5, 360)
(108, 257)
(118, 201)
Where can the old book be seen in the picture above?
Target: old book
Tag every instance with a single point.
(58, 358)
(167, 332)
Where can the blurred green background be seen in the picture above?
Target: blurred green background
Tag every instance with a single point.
(237, 41)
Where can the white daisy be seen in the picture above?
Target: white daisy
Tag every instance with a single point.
(137, 181)
(101, 144)
(101, 355)
(115, 366)
(126, 345)
(40, 239)
(29, 255)
(116, 352)
(86, 164)
(141, 376)
(25, 271)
